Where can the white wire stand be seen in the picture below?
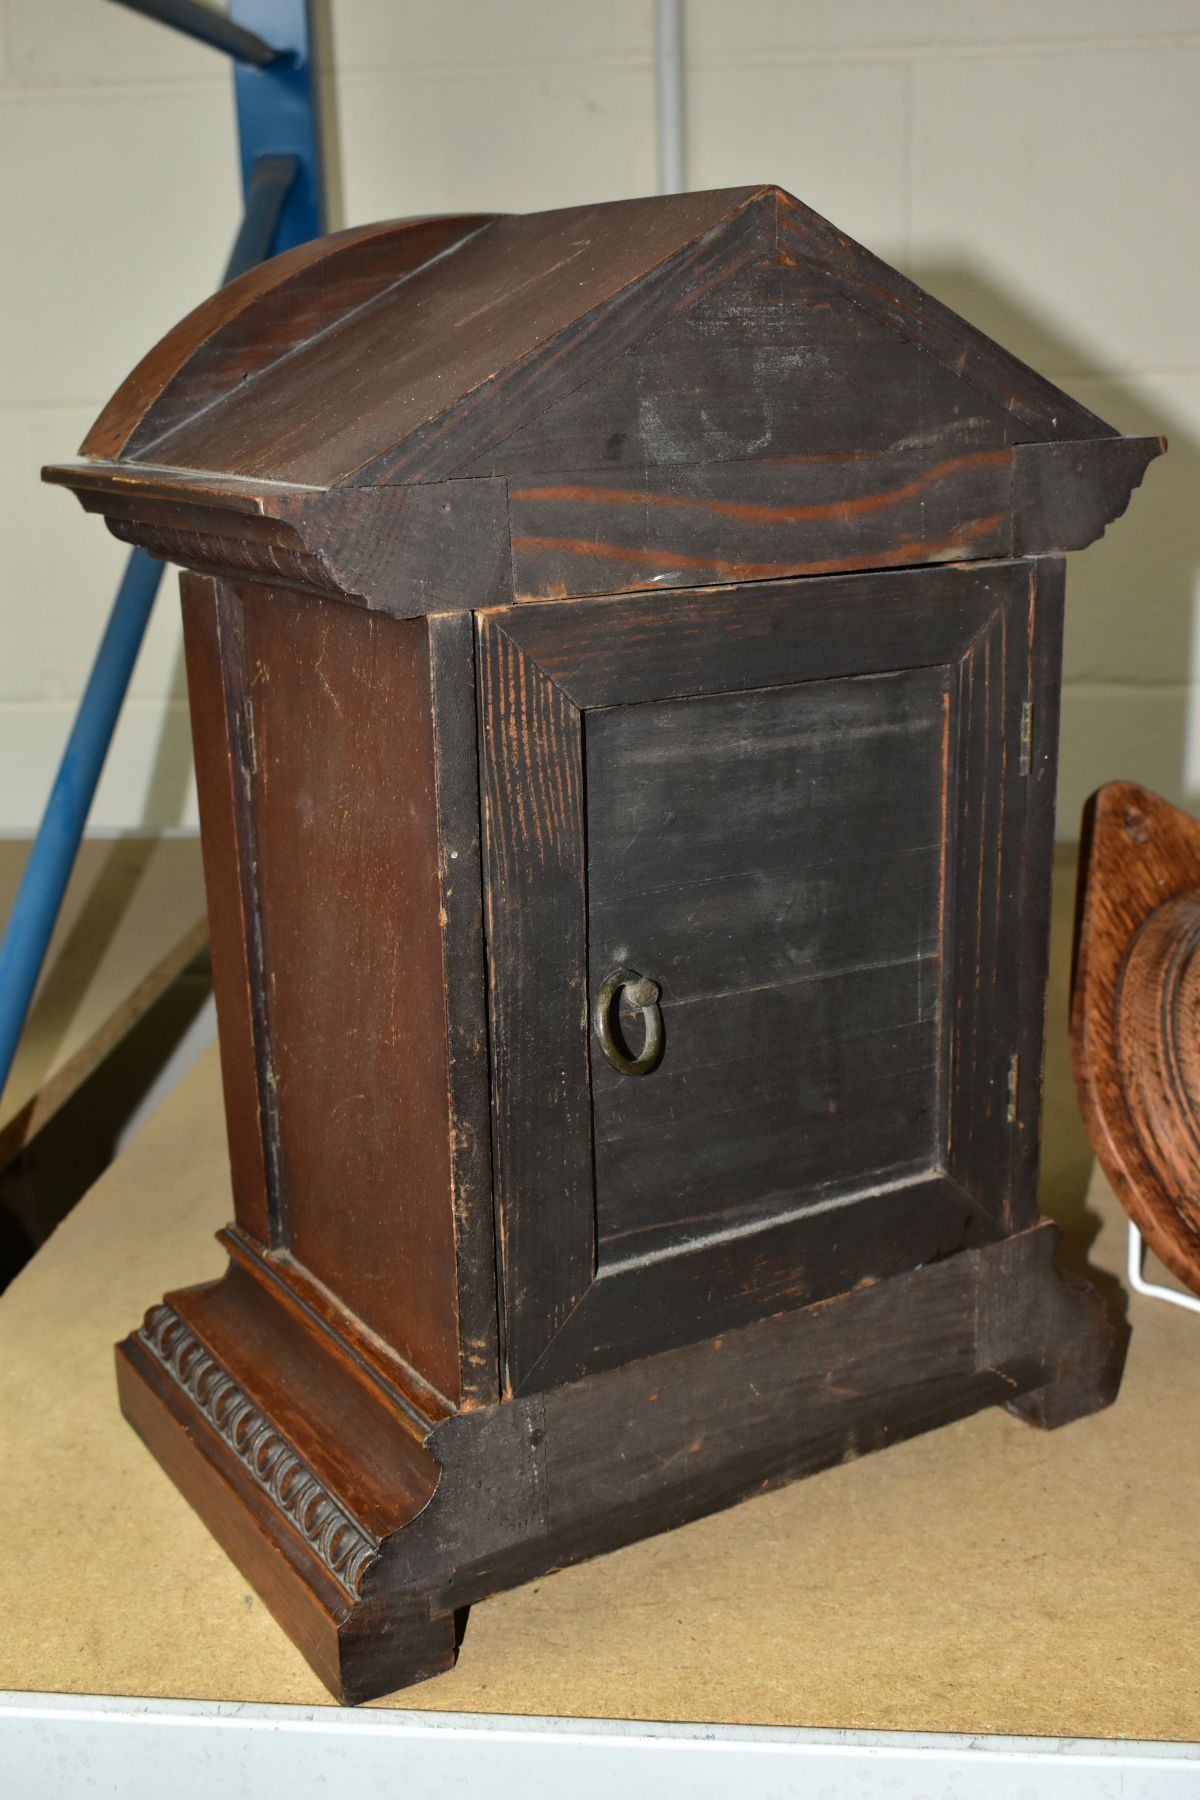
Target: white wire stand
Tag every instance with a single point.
(1138, 1282)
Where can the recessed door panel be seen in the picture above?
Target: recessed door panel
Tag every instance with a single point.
(791, 821)
(773, 860)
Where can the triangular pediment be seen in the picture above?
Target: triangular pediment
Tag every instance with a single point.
(693, 327)
(676, 392)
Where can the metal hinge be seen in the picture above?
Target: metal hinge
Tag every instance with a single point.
(1026, 736)
(1014, 1082)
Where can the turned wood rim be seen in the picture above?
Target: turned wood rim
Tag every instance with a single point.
(1135, 1013)
(1157, 1043)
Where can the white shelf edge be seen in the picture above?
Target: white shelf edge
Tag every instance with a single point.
(55, 1745)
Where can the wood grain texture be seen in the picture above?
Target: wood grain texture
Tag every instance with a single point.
(524, 1485)
(699, 388)
(467, 345)
(460, 914)
(461, 543)
(999, 872)
(532, 792)
(795, 1258)
(773, 860)
(733, 1223)
(631, 649)
(749, 521)
(862, 278)
(1038, 771)
(289, 1578)
(770, 362)
(344, 815)
(263, 316)
(307, 1299)
(1134, 1041)
(402, 551)
(330, 1407)
(342, 1544)
(472, 346)
(355, 1651)
(216, 740)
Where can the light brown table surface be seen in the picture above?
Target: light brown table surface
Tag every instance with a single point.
(984, 1578)
(132, 919)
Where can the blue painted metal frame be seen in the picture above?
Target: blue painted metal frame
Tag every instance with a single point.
(277, 112)
(282, 179)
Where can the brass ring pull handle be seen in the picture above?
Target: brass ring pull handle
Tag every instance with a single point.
(644, 994)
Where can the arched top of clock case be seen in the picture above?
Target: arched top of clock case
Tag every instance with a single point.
(671, 391)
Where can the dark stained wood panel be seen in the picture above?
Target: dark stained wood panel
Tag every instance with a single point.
(749, 521)
(453, 354)
(772, 362)
(1001, 845)
(776, 304)
(774, 860)
(693, 389)
(679, 400)
(946, 652)
(1046, 592)
(345, 823)
(228, 882)
(730, 1278)
(527, 1487)
(531, 783)
(649, 646)
(427, 373)
(863, 278)
(460, 914)
(402, 550)
(831, 1367)
(807, 1115)
(1064, 495)
(262, 317)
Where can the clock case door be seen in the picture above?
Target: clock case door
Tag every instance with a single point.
(818, 814)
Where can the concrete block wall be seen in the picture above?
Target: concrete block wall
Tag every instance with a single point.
(1034, 164)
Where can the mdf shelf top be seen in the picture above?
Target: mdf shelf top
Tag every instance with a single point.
(665, 392)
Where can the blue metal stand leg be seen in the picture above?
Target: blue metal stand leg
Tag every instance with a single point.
(278, 112)
(52, 857)
(279, 137)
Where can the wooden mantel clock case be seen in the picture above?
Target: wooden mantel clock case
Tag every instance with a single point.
(623, 650)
